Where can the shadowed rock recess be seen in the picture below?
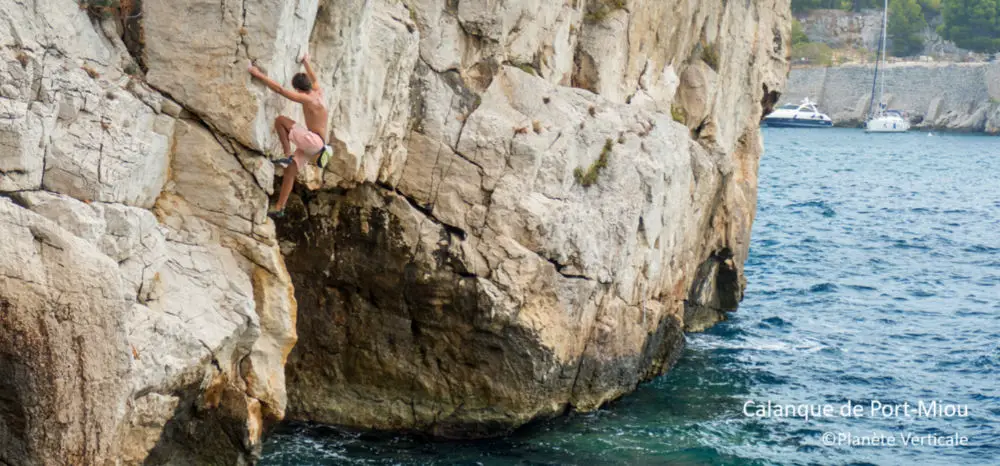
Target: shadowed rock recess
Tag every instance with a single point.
(529, 203)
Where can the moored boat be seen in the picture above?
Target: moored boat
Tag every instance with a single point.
(804, 115)
(887, 121)
(880, 118)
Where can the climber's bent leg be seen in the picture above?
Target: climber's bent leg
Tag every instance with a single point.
(283, 125)
(307, 145)
(287, 183)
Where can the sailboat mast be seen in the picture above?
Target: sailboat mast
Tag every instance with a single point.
(872, 109)
(885, 35)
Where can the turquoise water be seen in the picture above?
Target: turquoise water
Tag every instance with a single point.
(874, 275)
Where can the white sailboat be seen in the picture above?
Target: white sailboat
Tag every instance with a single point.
(880, 118)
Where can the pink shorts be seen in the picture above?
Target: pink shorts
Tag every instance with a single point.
(307, 144)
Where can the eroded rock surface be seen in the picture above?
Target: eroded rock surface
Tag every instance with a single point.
(146, 310)
(530, 202)
(473, 283)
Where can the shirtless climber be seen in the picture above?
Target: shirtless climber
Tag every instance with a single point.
(309, 141)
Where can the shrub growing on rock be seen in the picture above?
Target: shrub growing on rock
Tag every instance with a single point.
(588, 177)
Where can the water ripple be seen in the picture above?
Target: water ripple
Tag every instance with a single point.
(871, 277)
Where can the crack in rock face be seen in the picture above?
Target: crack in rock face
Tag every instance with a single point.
(147, 310)
(513, 224)
(477, 285)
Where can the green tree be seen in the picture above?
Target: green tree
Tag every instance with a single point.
(858, 5)
(799, 6)
(798, 35)
(972, 24)
(906, 24)
(931, 8)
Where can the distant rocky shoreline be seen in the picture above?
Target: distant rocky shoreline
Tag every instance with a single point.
(960, 97)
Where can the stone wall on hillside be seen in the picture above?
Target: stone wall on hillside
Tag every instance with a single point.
(957, 97)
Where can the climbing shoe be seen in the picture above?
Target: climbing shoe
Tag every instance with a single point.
(284, 162)
(324, 157)
(276, 214)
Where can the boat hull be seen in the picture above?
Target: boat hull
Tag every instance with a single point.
(887, 125)
(797, 123)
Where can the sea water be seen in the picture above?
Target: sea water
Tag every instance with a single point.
(869, 334)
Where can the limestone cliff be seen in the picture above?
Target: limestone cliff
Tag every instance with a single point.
(954, 97)
(862, 31)
(530, 202)
(523, 228)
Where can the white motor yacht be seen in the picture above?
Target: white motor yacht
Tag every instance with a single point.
(804, 115)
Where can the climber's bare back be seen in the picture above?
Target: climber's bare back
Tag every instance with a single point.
(315, 112)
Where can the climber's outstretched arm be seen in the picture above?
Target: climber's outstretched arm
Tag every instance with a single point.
(274, 86)
(309, 71)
